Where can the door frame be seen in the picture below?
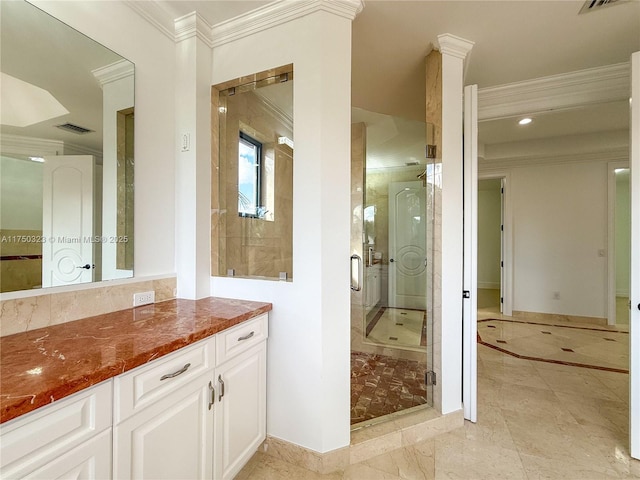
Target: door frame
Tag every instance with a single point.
(634, 287)
(470, 256)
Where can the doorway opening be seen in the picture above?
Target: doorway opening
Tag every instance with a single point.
(619, 244)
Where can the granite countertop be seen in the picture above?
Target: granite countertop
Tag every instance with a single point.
(47, 364)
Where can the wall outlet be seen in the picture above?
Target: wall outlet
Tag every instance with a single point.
(144, 298)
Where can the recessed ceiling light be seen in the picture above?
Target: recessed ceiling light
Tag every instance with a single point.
(525, 121)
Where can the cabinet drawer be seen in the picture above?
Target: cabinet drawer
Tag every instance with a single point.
(148, 383)
(33, 440)
(240, 338)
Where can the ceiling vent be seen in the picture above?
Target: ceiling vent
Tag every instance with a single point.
(594, 5)
(77, 129)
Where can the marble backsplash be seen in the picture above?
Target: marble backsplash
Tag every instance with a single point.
(24, 314)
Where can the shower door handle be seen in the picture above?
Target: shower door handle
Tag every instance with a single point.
(356, 284)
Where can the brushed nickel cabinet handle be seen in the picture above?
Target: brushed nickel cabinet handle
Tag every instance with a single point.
(246, 337)
(175, 374)
(212, 397)
(221, 382)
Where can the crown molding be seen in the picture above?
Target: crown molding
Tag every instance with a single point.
(455, 46)
(113, 72)
(155, 15)
(21, 145)
(605, 155)
(29, 146)
(556, 92)
(193, 25)
(278, 13)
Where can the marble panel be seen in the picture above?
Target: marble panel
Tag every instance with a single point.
(24, 314)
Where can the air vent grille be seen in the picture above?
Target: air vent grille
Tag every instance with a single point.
(593, 5)
(77, 129)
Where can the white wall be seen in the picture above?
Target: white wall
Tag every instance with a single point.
(559, 226)
(308, 359)
(489, 219)
(114, 25)
(21, 194)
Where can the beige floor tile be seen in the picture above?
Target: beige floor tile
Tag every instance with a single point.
(581, 384)
(267, 467)
(413, 462)
(551, 469)
(364, 472)
(564, 442)
(462, 458)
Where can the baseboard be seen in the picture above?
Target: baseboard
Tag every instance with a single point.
(369, 441)
(329, 462)
(558, 317)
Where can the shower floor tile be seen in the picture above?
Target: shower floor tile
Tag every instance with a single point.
(381, 385)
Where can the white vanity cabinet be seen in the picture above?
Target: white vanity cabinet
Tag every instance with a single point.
(68, 439)
(196, 413)
(163, 424)
(372, 286)
(241, 395)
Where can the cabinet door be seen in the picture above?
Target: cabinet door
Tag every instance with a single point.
(170, 439)
(241, 412)
(89, 461)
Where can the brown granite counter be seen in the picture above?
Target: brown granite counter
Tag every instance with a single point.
(40, 366)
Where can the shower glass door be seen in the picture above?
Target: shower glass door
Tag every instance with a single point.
(392, 232)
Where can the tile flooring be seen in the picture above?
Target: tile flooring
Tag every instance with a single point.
(381, 385)
(398, 327)
(536, 420)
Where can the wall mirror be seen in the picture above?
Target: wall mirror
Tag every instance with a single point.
(253, 233)
(66, 154)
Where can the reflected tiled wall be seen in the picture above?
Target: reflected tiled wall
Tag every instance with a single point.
(23, 274)
(25, 314)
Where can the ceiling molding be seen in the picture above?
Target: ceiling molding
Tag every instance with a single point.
(605, 155)
(155, 15)
(278, 13)
(21, 145)
(113, 72)
(42, 147)
(455, 46)
(193, 25)
(557, 92)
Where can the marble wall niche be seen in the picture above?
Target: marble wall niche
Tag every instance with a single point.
(260, 246)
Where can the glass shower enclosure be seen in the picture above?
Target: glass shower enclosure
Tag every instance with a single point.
(392, 268)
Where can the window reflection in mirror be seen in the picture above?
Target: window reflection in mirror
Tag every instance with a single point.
(66, 145)
(252, 197)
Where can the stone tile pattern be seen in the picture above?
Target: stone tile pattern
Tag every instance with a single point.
(381, 385)
(44, 365)
(599, 348)
(536, 420)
